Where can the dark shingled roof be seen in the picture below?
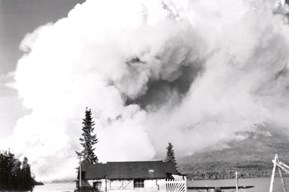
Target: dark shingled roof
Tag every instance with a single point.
(94, 171)
(130, 170)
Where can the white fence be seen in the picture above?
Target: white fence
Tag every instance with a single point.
(176, 185)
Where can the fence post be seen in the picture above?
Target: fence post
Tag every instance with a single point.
(237, 184)
(273, 173)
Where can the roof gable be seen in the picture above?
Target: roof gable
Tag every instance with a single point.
(130, 170)
(94, 171)
(136, 170)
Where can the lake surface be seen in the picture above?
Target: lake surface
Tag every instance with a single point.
(261, 185)
(55, 187)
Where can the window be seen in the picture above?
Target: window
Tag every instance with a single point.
(97, 185)
(138, 183)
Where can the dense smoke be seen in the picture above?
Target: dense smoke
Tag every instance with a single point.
(191, 73)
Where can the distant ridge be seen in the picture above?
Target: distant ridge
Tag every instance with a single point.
(251, 156)
(63, 181)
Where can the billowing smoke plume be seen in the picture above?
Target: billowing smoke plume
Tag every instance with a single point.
(191, 73)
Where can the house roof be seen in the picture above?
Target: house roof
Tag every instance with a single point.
(130, 170)
(94, 171)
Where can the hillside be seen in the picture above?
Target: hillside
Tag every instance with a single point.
(251, 155)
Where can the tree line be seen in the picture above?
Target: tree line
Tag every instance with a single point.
(226, 170)
(14, 174)
(227, 174)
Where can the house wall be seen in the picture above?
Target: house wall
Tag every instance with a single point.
(85, 183)
(154, 185)
(102, 184)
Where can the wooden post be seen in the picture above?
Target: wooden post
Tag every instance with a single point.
(282, 180)
(105, 183)
(273, 173)
(237, 184)
(186, 184)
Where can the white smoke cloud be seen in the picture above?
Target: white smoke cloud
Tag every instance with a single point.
(187, 72)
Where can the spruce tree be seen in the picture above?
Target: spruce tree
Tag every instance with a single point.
(170, 154)
(88, 139)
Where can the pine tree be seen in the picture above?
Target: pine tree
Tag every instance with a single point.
(170, 154)
(88, 139)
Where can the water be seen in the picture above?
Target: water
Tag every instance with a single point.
(261, 185)
(55, 187)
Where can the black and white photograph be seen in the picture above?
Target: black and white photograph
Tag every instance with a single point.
(144, 95)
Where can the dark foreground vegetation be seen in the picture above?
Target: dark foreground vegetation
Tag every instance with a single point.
(14, 174)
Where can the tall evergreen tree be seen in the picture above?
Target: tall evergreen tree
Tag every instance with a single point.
(170, 154)
(88, 139)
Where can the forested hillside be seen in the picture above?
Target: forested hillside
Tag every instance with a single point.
(251, 156)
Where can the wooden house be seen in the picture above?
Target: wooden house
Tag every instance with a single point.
(142, 176)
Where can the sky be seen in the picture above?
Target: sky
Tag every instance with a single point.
(17, 18)
(190, 72)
